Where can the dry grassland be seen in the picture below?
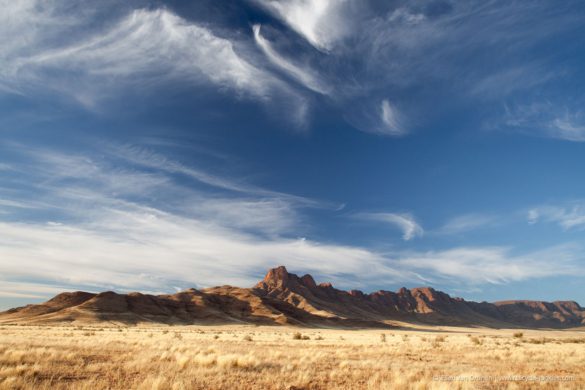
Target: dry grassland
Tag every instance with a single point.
(235, 357)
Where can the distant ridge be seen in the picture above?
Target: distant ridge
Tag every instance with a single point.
(285, 298)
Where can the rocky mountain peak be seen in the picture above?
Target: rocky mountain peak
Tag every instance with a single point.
(277, 277)
(285, 298)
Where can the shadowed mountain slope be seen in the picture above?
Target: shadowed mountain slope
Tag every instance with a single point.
(285, 298)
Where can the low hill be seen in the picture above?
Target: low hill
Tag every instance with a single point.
(285, 298)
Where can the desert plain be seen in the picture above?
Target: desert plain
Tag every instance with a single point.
(110, 356)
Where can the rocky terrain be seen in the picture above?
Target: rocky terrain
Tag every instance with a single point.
(285, 298)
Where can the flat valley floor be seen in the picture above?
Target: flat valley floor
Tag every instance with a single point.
(249, 357)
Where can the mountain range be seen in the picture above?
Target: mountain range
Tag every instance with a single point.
(283, 298)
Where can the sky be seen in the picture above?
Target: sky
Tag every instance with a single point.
(156, 146)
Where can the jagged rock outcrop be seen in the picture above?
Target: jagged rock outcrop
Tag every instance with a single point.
(285, 298)
(424, 305)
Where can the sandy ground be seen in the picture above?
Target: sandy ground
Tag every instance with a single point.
(247, 357)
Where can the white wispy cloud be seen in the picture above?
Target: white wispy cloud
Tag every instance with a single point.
(148, 249)
(321, 22)
(496, 265)
(546, 119)
(139, 50)
(377, 116)
(303, 76)
(407, 16)
(390, 119)
(15, 204)
(133, 174)
(467, 222)
(147, 158)
(570, 127)
(60, 48)
(533, 216)
(266, 215)
(29, 290)
(571, 216)
(106, 230)
(507, 81)
(405, 222)
(415, 46)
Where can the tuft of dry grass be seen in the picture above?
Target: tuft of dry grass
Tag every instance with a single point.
(195, 357)
(300, 336)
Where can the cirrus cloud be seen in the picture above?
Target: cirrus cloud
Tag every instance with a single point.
(404, 221)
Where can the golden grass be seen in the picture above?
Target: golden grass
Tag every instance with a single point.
(235, 357)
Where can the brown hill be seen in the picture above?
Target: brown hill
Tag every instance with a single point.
(285, 298)
(423, 305)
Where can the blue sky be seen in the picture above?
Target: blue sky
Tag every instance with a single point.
(157, 146)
